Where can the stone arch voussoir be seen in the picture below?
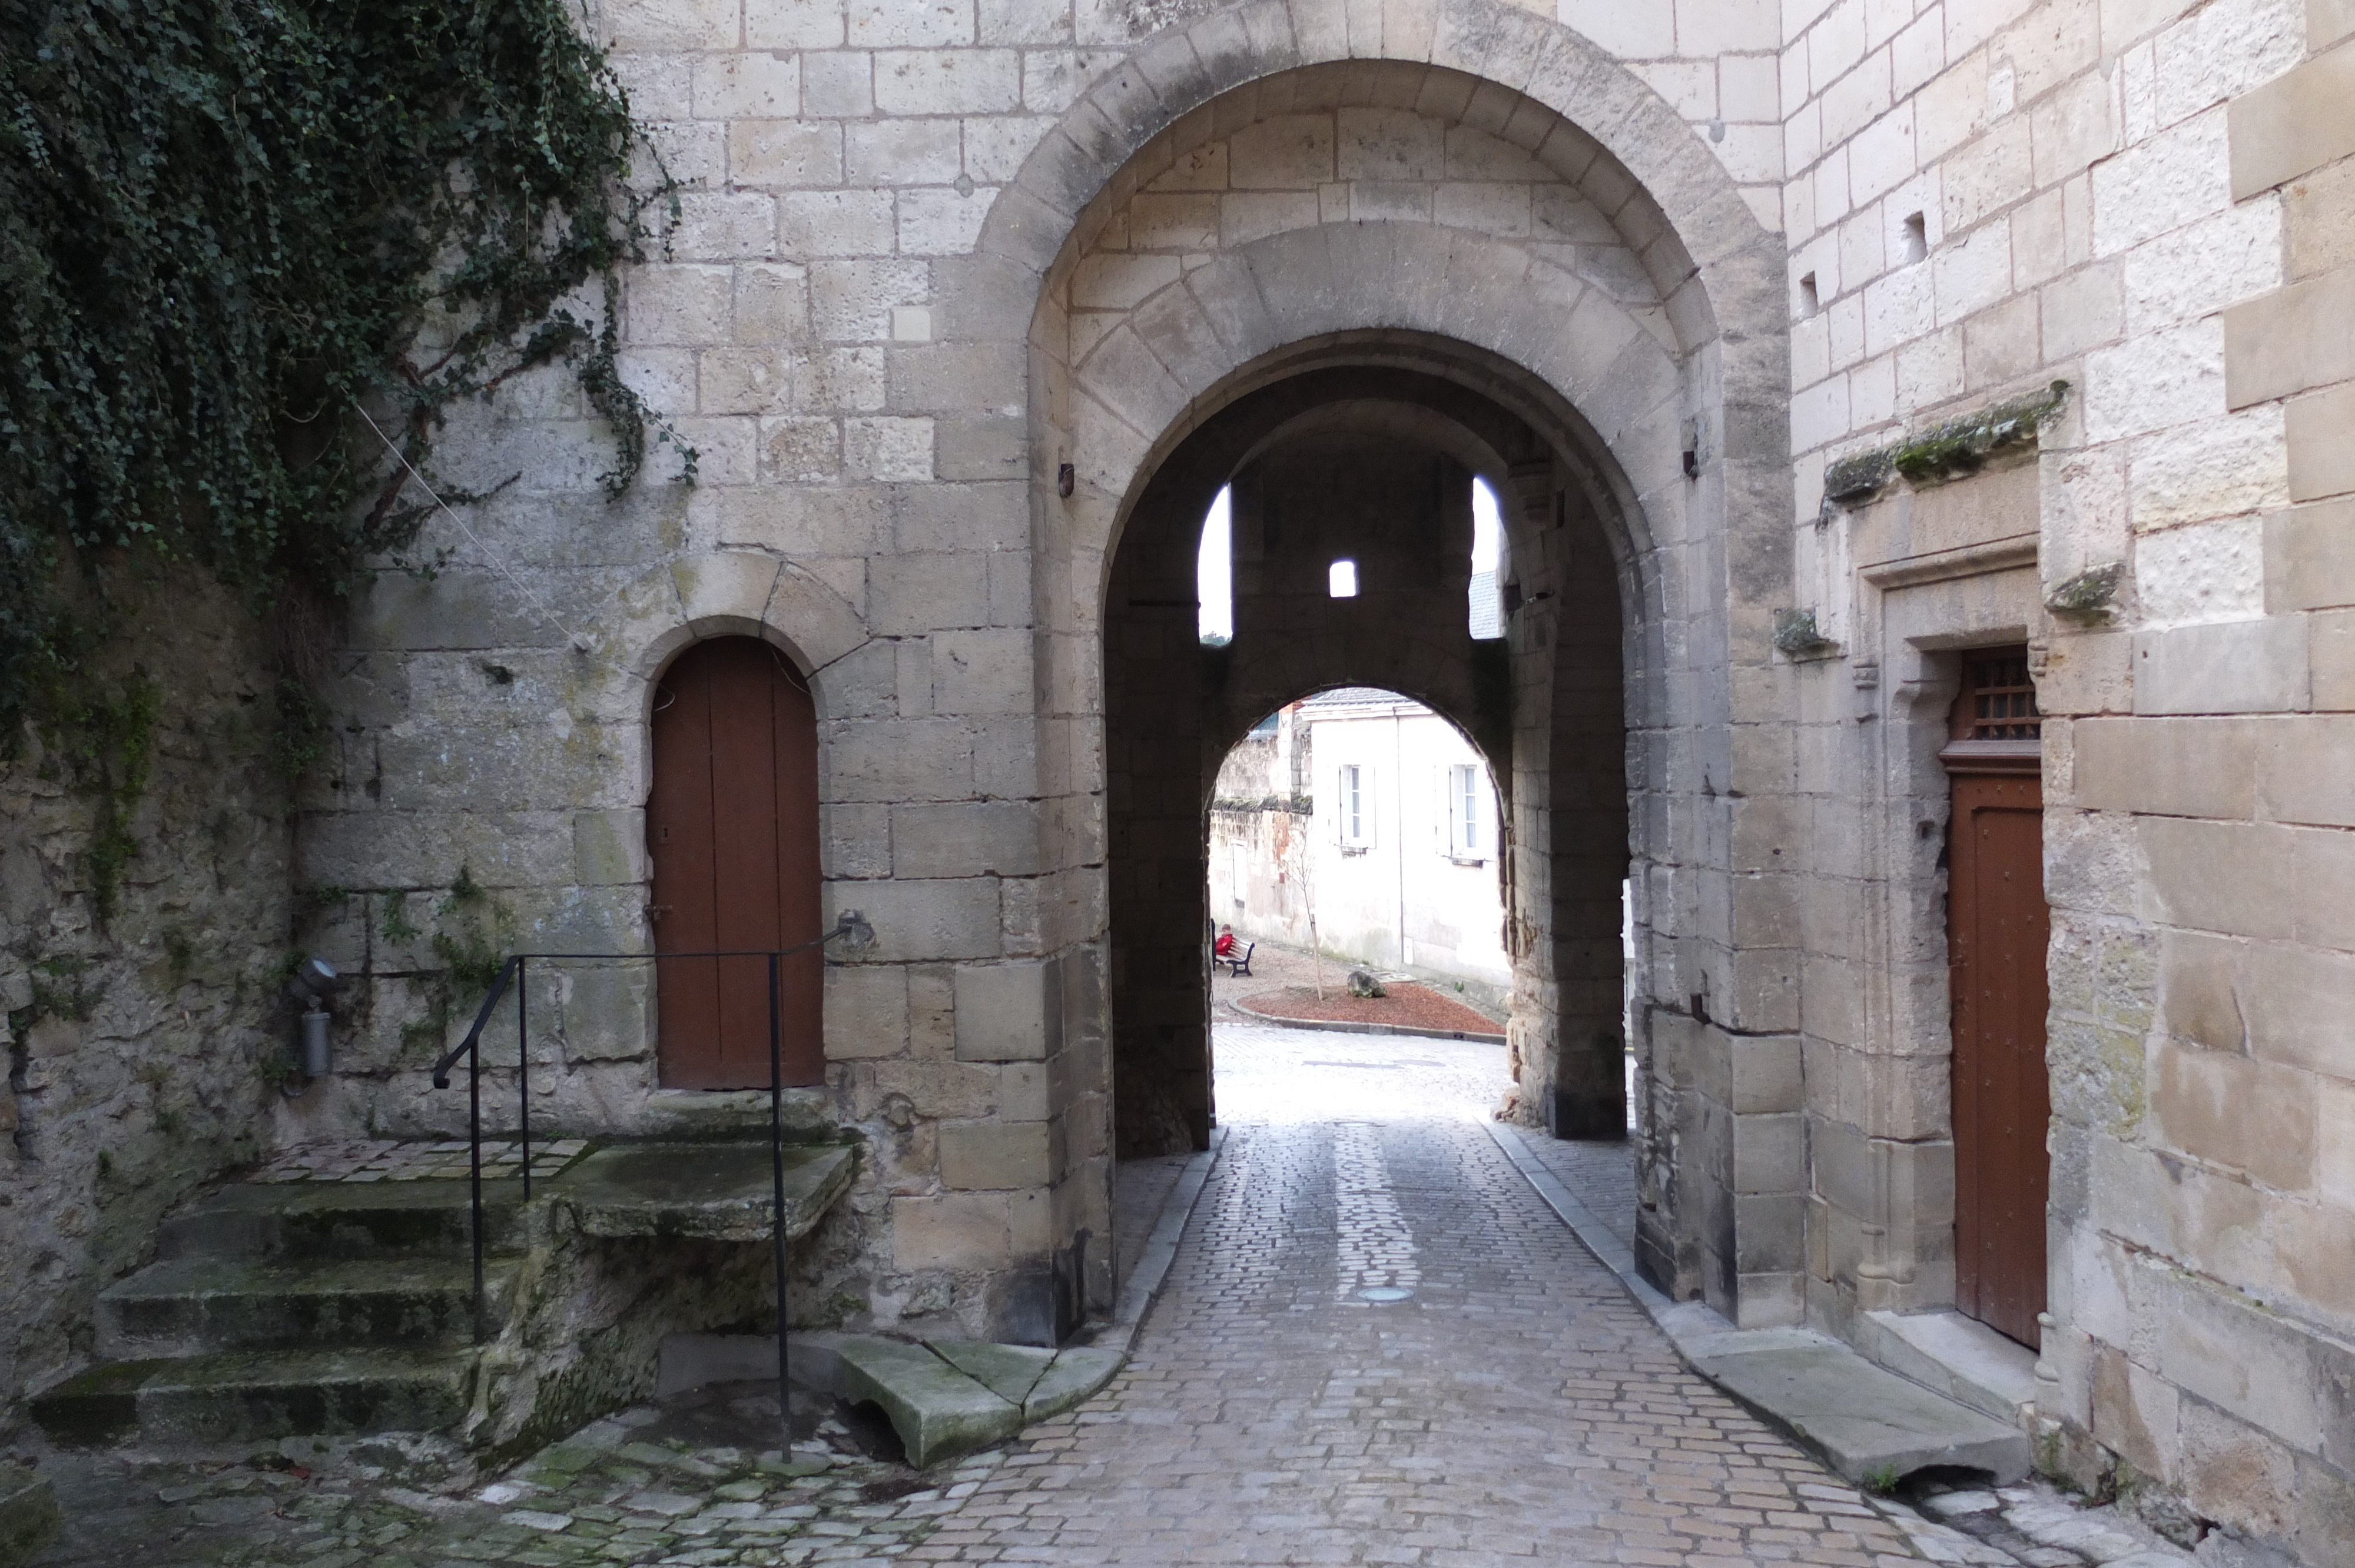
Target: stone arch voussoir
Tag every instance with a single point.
(728, 593)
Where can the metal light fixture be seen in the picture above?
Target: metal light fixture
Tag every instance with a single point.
(314, 980)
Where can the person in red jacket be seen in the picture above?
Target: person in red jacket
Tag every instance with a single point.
(1224, 947)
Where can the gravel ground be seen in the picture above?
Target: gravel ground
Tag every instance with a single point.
(1407, 1005)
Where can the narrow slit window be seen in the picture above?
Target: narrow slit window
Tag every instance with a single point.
(1809, 303)
(1486, 607)
(1914, 243)
(1214, 579)
(1341, 579)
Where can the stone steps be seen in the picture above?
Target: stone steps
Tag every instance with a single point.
(190, 1306)
(279, 1309)
(262, 1395)
(344, 1220)
(297, 1308)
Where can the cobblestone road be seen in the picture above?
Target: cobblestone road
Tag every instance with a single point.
(1514, 1407)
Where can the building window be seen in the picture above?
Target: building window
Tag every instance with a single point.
(1355, 808)
(1467, 835)
(1214, 575)
(1341, 579)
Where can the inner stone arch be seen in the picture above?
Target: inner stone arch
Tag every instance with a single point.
(1348, 455)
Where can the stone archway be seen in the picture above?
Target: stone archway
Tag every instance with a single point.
(1641, 325)
(1367, 450)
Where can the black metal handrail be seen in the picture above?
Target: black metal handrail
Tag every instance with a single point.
(851, 924)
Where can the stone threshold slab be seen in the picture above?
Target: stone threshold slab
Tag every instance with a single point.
(946, 1397)
(1869, 1424)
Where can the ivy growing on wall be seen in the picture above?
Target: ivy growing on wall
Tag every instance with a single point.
(228, 225)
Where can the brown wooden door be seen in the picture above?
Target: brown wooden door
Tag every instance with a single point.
(732, 828)
(1997, 925)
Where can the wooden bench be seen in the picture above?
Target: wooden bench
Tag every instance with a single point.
(1238, 962)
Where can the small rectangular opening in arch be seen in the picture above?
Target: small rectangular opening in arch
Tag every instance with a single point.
(1341, 579)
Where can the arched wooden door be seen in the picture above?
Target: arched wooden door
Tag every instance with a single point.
(732, 826)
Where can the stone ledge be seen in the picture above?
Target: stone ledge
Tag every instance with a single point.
(713, 1191)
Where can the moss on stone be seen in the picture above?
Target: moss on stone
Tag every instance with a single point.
(1796, 635)
(2091, 592)
(1961, 446)
(1946, 450)
(1859, 476)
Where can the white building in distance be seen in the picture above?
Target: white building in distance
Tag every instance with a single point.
(1361, 824)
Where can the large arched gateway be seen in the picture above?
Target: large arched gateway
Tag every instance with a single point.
(1316, 275)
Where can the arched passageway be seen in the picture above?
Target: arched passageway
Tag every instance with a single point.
(1366, 454)
(1560, 291)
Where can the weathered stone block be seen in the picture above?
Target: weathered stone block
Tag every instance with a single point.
(2291, 340)
(1764, 1073)
(948, 81)
(2185, 767)
(919, 921)
(965, 838)
(2239, 1357)
(866, 1010)
(2321, 460)
(2294, 1001)
(2133, 1413)
(1009, 1012)
(2300, 121)
(2306, 771)
(954, 1230)
(982, 672)
(2254, 1116)
(609, 848)
(2310, 558)
(607, 1011)
(2234, 667)
(995, 1155)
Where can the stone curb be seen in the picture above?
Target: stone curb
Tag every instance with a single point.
(1145, 1281)
(1755, 1366)
(1336, 1026)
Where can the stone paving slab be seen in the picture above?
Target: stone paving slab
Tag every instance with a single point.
(1870, 1423)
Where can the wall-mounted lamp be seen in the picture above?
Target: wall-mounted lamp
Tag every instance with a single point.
(314, 980)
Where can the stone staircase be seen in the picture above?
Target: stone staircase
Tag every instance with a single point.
(277, 1310)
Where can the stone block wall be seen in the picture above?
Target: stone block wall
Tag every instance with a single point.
(144, 1046)
(2135, 200)
(927, 258)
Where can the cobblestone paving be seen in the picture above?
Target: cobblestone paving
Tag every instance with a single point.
(1514, 1408)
